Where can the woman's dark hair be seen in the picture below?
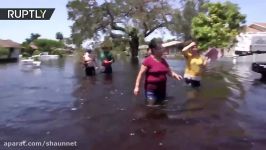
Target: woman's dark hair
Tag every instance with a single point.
(184, 44)
(155, 43)
(89, 51)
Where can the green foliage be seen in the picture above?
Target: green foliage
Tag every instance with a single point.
(4, 52)
(36, 52)
(36, 58)
(27, 50)
(61, 53)
(25, 55)
(33, 37)
(91, 19)
(107, 43)
(120, 44)
(219, 26)
(47, 45)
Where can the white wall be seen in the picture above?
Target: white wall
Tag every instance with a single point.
(15, 53)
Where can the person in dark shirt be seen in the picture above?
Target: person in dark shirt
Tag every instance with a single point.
(107, 59)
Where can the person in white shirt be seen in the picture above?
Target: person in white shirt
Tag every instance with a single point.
(89, 61)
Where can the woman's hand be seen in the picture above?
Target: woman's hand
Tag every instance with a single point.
(141, 73)
(174, 75)
(177, 76)
(136, 91)
(205, 61)
(192, 44)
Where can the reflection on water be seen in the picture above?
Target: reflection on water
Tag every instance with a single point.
(57, 102)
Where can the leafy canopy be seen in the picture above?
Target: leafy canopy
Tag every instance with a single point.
(59, 36)
(219, 26)
(117, 18)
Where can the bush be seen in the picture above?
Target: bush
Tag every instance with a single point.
(46, 45)
(61, 53)
(36, 58)
(25, 55)
(36, 52)
(4, 51)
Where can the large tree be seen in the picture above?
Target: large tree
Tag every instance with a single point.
(33, 37)
(130, 19)
(27, 49)
(59, 36)
(183, 15)
(219, 26)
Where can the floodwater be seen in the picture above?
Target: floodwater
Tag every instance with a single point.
(58, 103)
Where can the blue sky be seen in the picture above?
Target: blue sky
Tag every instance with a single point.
(20, 30)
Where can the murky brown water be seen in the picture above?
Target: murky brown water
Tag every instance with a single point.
(57, 103)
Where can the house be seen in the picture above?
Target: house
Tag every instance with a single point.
(255, 28)
(13, 50)
(171, 47)
(143, 49)
(33, 46)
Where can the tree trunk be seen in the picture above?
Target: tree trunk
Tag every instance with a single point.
(134, 47)
(134, 42)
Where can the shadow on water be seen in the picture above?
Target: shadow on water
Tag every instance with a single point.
(100, 112)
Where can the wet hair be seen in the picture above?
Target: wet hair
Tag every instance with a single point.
(89, 51)
(155, 43)
(184, 44)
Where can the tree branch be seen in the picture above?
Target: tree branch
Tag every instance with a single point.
(129, 11)
(112, 23)
(153, 29)
(113, 35)
(145, 28)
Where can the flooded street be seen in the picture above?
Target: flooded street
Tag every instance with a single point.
(58, 103)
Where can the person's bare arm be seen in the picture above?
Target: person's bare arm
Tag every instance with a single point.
(185, 50)
(141, 73)
(176, 76)
(188, 47)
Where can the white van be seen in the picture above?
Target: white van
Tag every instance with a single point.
(249, 42)
(258, 43)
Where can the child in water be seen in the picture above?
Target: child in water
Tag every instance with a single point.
(107, 60)
(89, 61)
(194, 64)
(154, 68)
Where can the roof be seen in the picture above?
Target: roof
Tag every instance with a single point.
(261, 24)
(250, 29)
(256, 27)
(143, 46)
(171, 43)
(9, 44)
(33, 46)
